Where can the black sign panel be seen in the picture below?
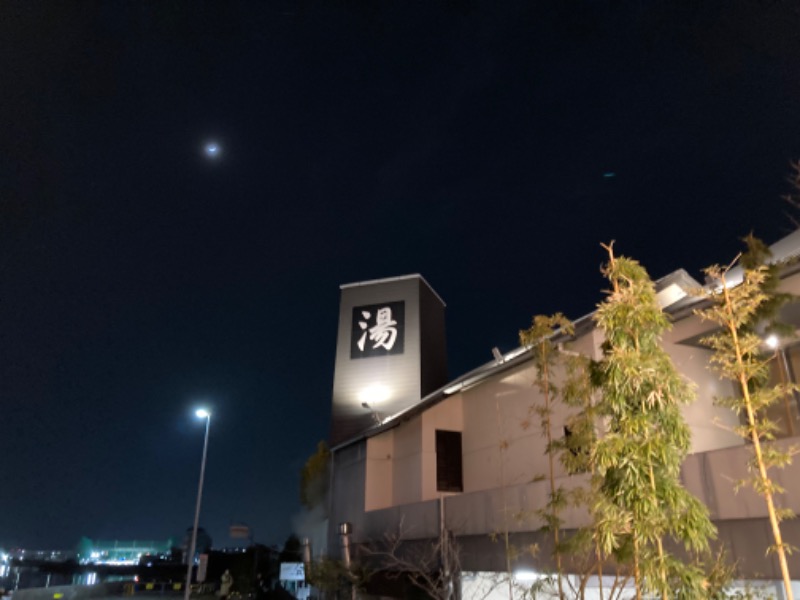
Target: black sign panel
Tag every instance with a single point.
(378, 330)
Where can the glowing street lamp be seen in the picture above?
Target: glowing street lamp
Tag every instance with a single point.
(200, 413)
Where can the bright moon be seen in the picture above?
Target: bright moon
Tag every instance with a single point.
(212, 150)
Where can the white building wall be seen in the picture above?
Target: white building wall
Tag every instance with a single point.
(502, 441)
(711, 425)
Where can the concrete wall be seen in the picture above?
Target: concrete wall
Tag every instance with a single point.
(479, 517)
(417, 520)
(713, 478)
(511, 508)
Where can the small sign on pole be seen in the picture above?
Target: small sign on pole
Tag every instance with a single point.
(292, 572)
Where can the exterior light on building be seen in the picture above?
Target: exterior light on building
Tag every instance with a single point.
(453, 389)
(374, 394)
(772, 342)
(526, 575)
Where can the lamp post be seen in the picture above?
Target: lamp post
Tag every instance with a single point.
(201, 414)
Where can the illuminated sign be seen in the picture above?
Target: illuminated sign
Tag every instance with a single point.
(378, 330)
(292, 572)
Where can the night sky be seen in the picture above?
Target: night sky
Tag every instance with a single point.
(490, 146)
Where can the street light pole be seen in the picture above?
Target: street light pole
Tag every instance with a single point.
(202, 414)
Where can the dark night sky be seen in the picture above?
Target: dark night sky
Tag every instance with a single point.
(467, 141)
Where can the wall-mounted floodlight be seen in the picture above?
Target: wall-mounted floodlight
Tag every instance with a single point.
(772, 341)
(375, 415)
(374, 394)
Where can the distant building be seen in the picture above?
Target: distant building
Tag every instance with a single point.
(429, 457)
(37, 555)
(120, 552)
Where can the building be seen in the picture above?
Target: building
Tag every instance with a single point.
(120, 552)
(413, 453)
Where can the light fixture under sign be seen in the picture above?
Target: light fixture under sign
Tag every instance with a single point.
(374, 394)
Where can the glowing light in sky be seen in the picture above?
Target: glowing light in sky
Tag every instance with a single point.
(212, 149)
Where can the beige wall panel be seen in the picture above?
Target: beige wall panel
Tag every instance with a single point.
(588, 344)
(408, 438)
(524, 459)
(429, 476)
(505, 410)
(381, 445)
(791, 285)
(447, 415)
(482, 469)
(379, 471)
(689, 327)
(710, 425)
(379, 485)
(407, 486)
(407, 466)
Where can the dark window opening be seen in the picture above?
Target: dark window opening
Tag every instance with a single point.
(567, 439)
(449, 477)
(578, 458)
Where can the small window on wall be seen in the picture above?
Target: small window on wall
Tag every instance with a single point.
(578, 455)
(448, 461)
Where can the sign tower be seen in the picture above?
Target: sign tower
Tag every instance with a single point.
(390, 351)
